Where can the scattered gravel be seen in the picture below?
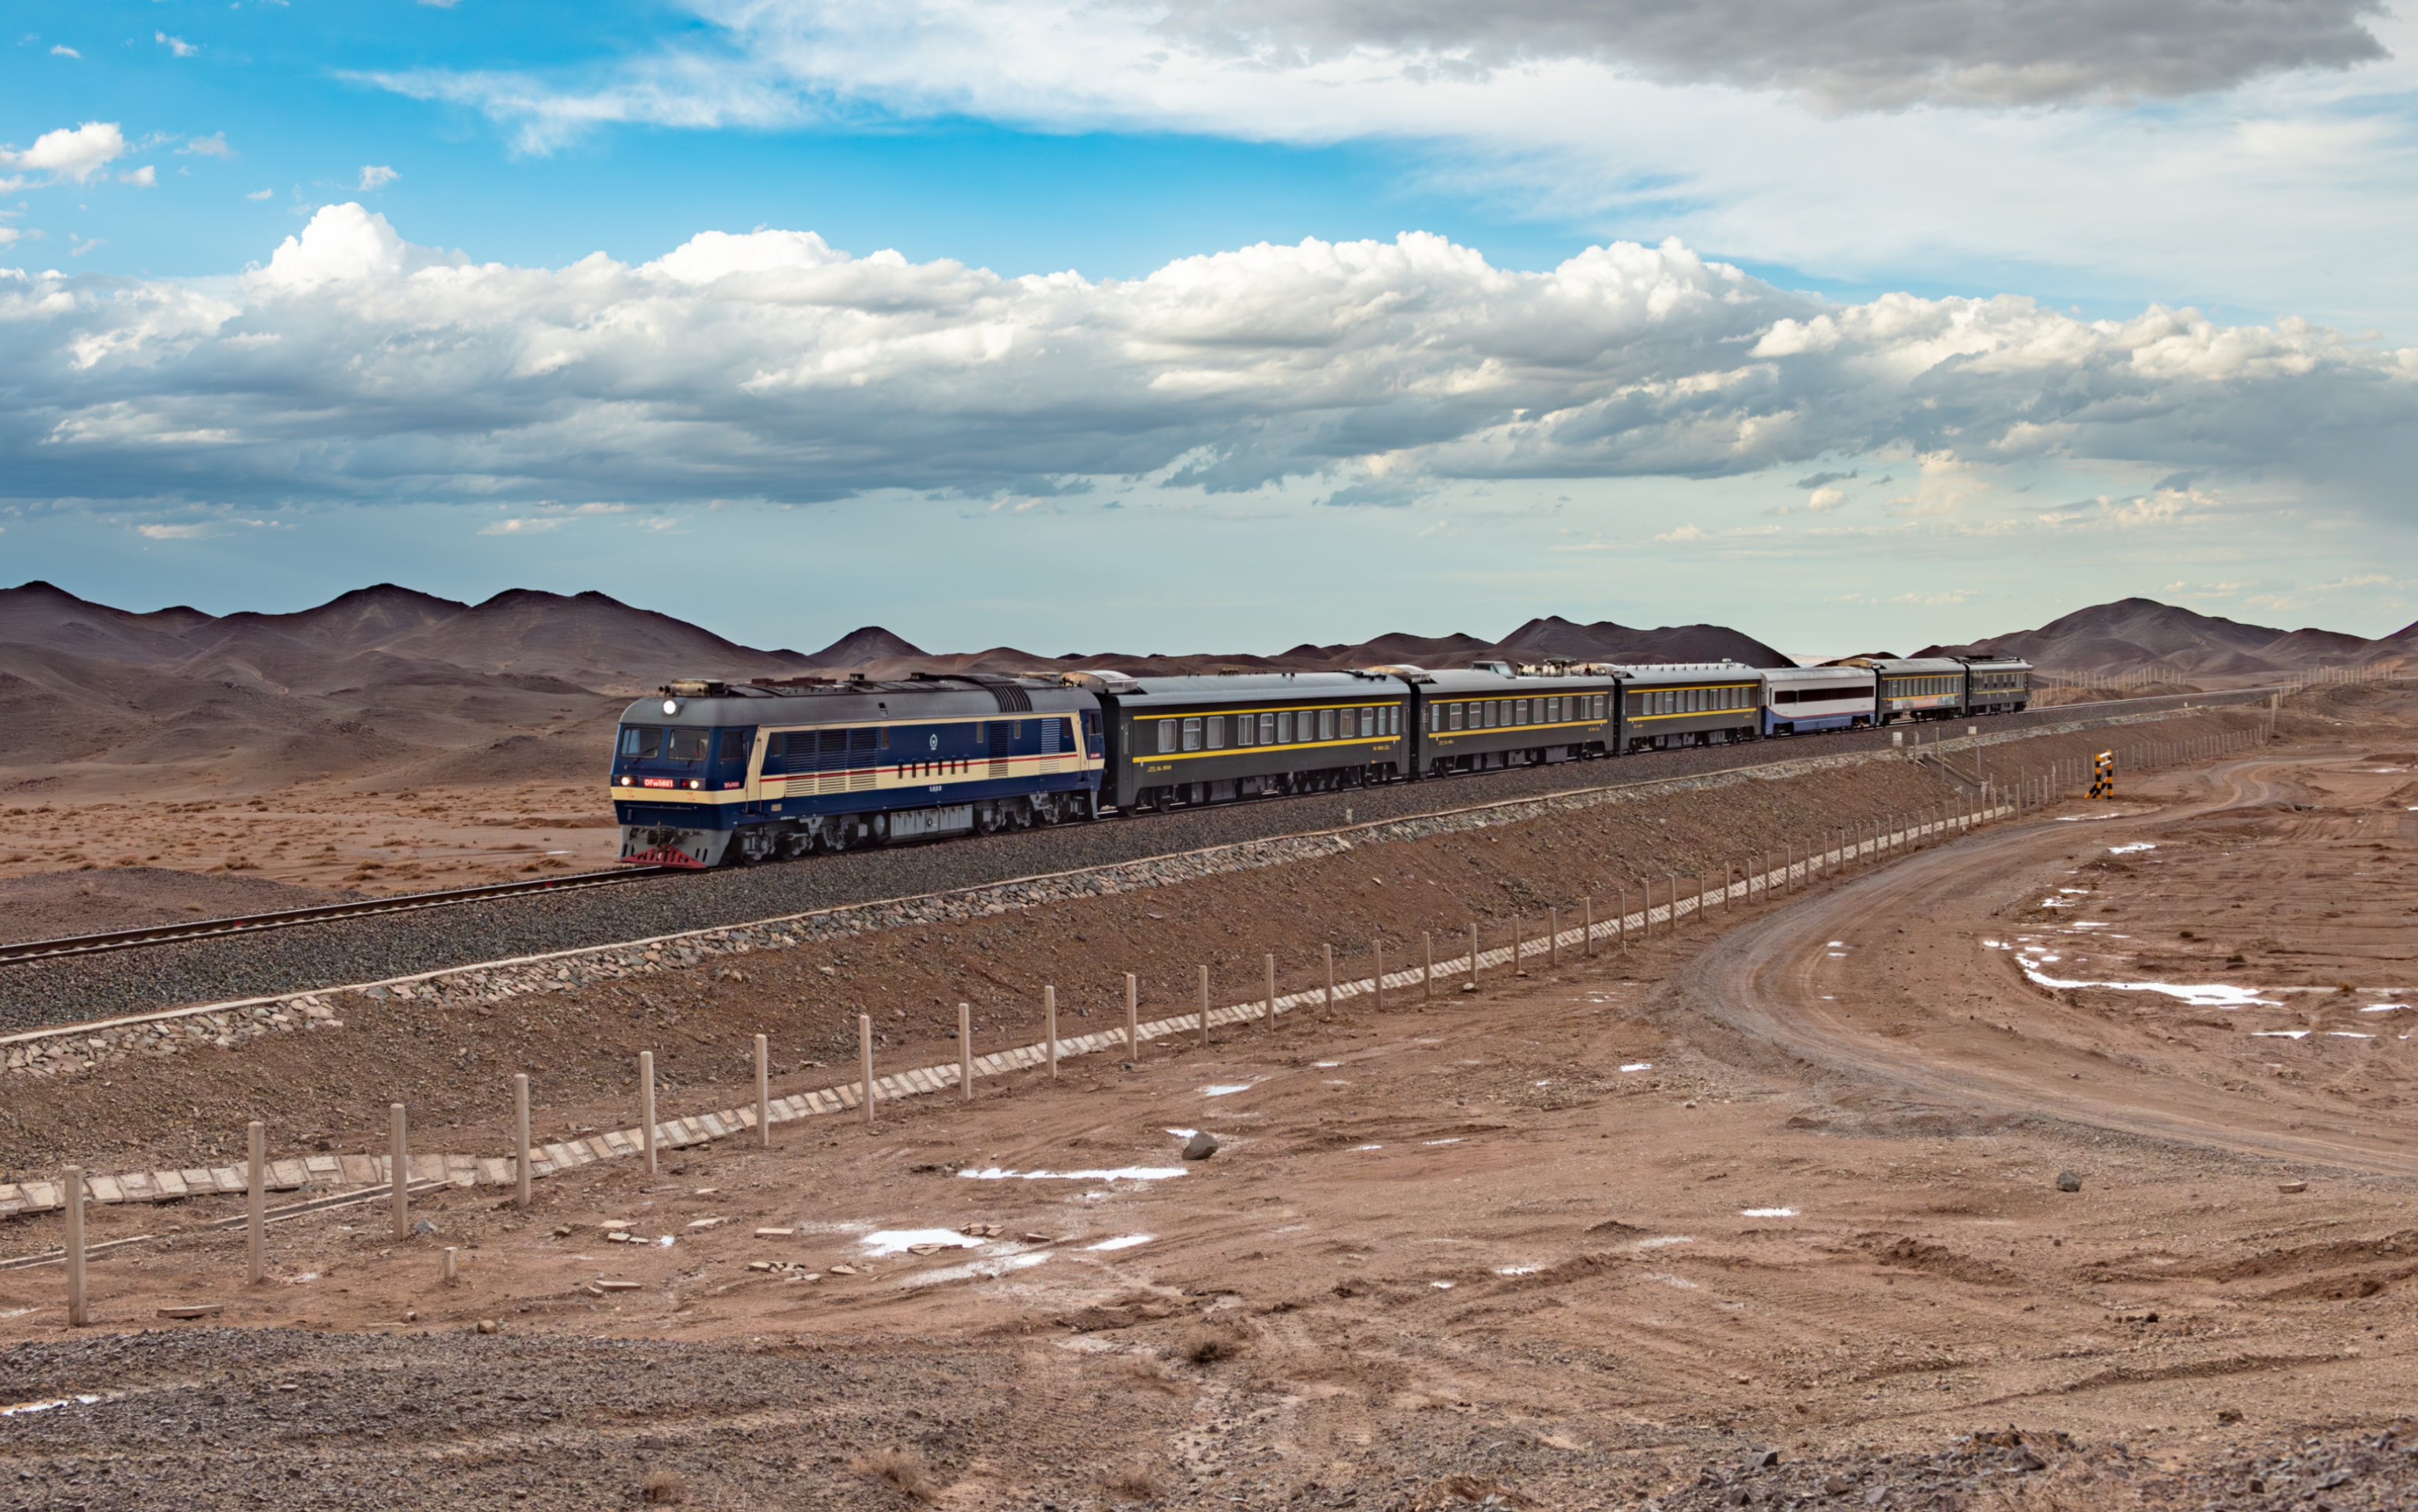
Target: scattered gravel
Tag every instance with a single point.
(38, 993)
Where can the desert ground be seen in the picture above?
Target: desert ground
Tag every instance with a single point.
(2065, 1165)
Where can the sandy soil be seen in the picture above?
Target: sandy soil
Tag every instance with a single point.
(1449, 1252)
(326, 837)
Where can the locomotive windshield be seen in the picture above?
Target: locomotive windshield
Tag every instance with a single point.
(657, 743)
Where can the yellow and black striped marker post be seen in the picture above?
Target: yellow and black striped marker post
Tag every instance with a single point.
(2103, 775)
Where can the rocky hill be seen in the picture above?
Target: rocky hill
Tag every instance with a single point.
(2144, 635)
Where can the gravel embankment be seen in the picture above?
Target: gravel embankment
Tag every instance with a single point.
(40, 993)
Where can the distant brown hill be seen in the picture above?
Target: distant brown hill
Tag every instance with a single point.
(2142, 635)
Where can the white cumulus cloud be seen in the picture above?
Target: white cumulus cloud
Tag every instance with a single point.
(63, 50)
(71, 154)
(375, 176)
(773, 366)
(145, 177)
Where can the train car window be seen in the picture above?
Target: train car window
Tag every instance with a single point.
(642, 742)
(685, 745)
(734, 746)
(1452, 714)
(1216, 732)
(1326, 724)
(1267, 729)
(1192, 735)
(1520, 710)
(1284, 728)
(1244, 724)
(1166, 735)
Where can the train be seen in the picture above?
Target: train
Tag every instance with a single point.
(713, 773)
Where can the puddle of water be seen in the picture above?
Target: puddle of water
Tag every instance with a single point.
(887, 1242)
(1639, 1066)
(1226, 1088)
(1766, 1212)
(1122, 1173)
(1122, 1241)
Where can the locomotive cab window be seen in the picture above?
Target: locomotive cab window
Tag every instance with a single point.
(642, 742)
(734, 745)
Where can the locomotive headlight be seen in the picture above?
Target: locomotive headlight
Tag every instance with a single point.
(671, 706)
(695, 782)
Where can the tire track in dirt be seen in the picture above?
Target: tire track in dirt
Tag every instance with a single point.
(1763, 981)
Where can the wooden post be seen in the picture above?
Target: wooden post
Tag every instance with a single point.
(864, 1065)
(78, 1313)
(1377, 972)
(398, 1170)
(1328, 953)
(1049, 1026)
(1269, 963)
(1427, 974)
(1204, 1007)
(256, 1204)
(647, 1106)
(1133, 1018)
(966, 1051)
(521, 1124)
(763, 1092)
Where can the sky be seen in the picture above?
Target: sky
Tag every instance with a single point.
(1185, 325)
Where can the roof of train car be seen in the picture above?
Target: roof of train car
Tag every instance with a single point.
(1812, 674)
(1450, 681)
(1255, 687)
(1996, 664)
(1902, 665)
(1684, 674)
(853, 702)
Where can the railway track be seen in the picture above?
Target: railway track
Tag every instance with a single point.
(37, 949)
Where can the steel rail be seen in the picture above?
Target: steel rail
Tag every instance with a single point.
(37, 949)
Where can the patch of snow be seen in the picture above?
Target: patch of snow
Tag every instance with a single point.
(2135, 848)
(1678, 1283)
(1441, 1286)
(887, 1242)
(1226, 1088)
(1515, 1270)
(29, 1409)
(1433, 1143)
(1766, 1212)
(2384, 1008)
(1639, 1066)
(981, 1270)
(1122, 1241)
(1122, 1173)
(2197, 994)
(1363, 1148)
(2279, 1033)
(2346, 1035)
(1665, 1241)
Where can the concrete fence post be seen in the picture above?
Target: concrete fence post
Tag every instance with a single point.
(966, 1051)
(1729, 876)
(1586, 925)
(447, 1272)
(1326, 955)
(1670, 898)
(1647, 913)
(1473, 955)
(1620, 924)
(1049, 1026)
(255, 1202)
(79, 1313)
(647, 1106)
(1204, 1007)
(1519, 946)
(1426, 975)
(864, 1065)
(763, 1092)
(398, 1170)
(521, 1172)
(1268, 965)
(1552, 940)
(1377, 971)
(1133, 1018)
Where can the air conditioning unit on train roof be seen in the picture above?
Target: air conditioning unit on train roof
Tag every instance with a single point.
(695, 688)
